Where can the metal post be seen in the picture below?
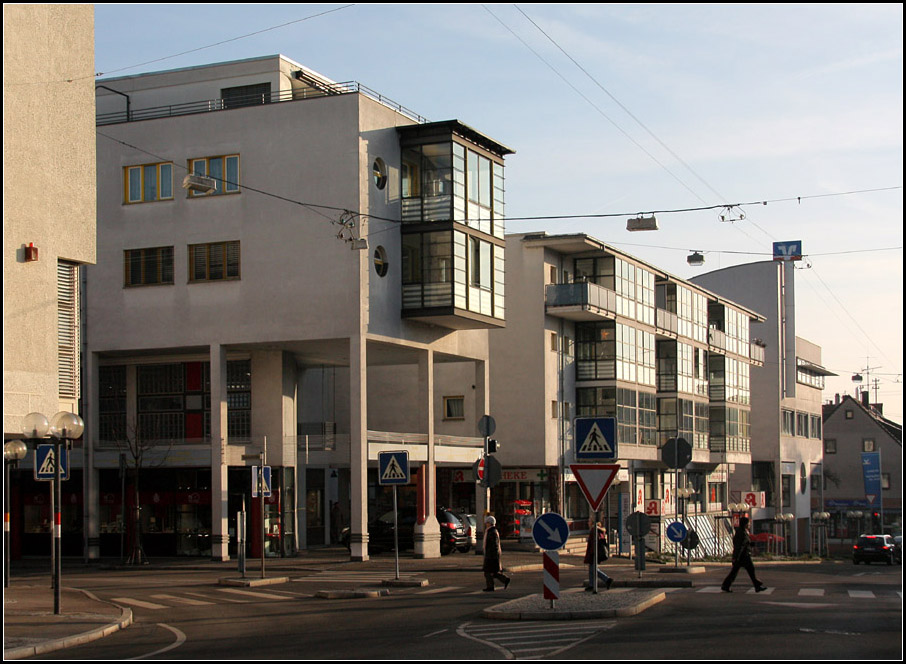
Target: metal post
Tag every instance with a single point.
(261, 497)
(7, 548)
(240, 537)
(396, 535)
(57, 523)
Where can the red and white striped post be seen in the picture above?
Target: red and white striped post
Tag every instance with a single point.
(552, 576)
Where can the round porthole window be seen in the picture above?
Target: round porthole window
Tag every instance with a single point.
(379, 170)
(380, 261)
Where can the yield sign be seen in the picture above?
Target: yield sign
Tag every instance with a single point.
(594, 479)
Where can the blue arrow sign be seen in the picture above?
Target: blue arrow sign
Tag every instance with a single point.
(676, 532)
(550, 531)
(596, 438)
(393, 468)
(44, 463)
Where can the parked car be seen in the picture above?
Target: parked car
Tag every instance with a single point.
(470, 521)
(881, 548)
(898, 549)
(453, 535)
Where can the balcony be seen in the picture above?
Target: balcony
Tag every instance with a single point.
(667, 323)
(580, 301)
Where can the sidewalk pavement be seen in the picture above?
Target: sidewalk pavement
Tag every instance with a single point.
(31, 627)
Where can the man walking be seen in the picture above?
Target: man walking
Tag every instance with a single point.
(742, 558)
(492, 568)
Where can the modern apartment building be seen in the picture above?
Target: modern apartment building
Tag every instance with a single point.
(289, 265)
(855, 428)
(48, 234)
(594, 332)
(786, 402)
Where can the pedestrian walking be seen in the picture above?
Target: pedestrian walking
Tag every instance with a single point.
(492, 568)
(597, 538)
(742, 558)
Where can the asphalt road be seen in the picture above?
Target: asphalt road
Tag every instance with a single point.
(826, 611)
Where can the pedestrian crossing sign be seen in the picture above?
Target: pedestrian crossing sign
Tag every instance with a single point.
(596, 438)
(393, 468)
(45, 464)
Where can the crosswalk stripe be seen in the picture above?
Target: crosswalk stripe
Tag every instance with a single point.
(751, 591)
(140, 603)
(434, 591)
(249, 593)
(183, 600)
(811, 592)
(861, 594)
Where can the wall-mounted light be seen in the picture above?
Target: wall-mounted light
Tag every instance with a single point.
(696, 258)
(31, 253)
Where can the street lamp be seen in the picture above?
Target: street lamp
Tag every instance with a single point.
(63, 428)
(13, 452)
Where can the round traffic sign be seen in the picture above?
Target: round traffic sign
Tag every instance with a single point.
(486, 425)
(676, 531)
(638, 524)
(676, 453)
(550, 531)
(691, 540)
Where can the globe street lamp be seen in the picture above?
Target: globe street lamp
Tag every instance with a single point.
(13, 452)
(63, 428)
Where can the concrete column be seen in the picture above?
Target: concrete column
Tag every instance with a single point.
(219, 497)
(358, 448)
(427, 535)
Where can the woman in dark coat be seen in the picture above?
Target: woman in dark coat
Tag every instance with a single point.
(742, 558)
(492, 568)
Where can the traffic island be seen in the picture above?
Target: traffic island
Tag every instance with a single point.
(577, 605)
(252, 583)
(683, 569)
(351, 594)
(405, 583)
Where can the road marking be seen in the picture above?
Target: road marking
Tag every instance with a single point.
(249, 593)
(861, 594)
(182, 600)
(533, 639)
(751, 591)
(438, 590)
(180, 639)
(219, 599)
(709, 589)
(811, 592)
(138, 602)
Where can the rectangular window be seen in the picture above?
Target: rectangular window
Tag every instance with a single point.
(868, 445)
(148, 267)
(224, 170)
(148, 182)
(454, 408)
(215, 261)
(830, 445)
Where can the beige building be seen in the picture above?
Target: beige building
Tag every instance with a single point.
(48, 203)
(328, 297)
(852, 429)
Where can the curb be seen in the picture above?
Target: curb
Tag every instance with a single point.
(252, 583)
(351, 594)
(52, 645)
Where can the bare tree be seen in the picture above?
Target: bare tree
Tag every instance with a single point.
(136, 447)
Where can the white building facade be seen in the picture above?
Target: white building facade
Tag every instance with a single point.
(318, 304)
(594, 332)
(786, 402)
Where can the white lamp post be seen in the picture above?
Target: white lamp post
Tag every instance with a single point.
(63, 428)
(13, 452)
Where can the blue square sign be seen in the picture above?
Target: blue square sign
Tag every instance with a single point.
(596, 438)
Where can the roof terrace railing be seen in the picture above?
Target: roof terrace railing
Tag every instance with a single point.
(211, 105)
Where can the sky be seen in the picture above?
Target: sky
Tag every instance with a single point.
(790, 115)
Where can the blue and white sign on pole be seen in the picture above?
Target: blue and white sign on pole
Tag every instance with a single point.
(393, 468)
(676, 532)
(596, 438)
(550, 531)
(45, 463)
(266, 480)
(871, 476)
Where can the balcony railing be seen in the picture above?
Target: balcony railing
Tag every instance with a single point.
(584, 295)
(211, 105)
(667, 322)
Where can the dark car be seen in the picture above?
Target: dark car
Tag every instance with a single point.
(874, 547)
(453, 535)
